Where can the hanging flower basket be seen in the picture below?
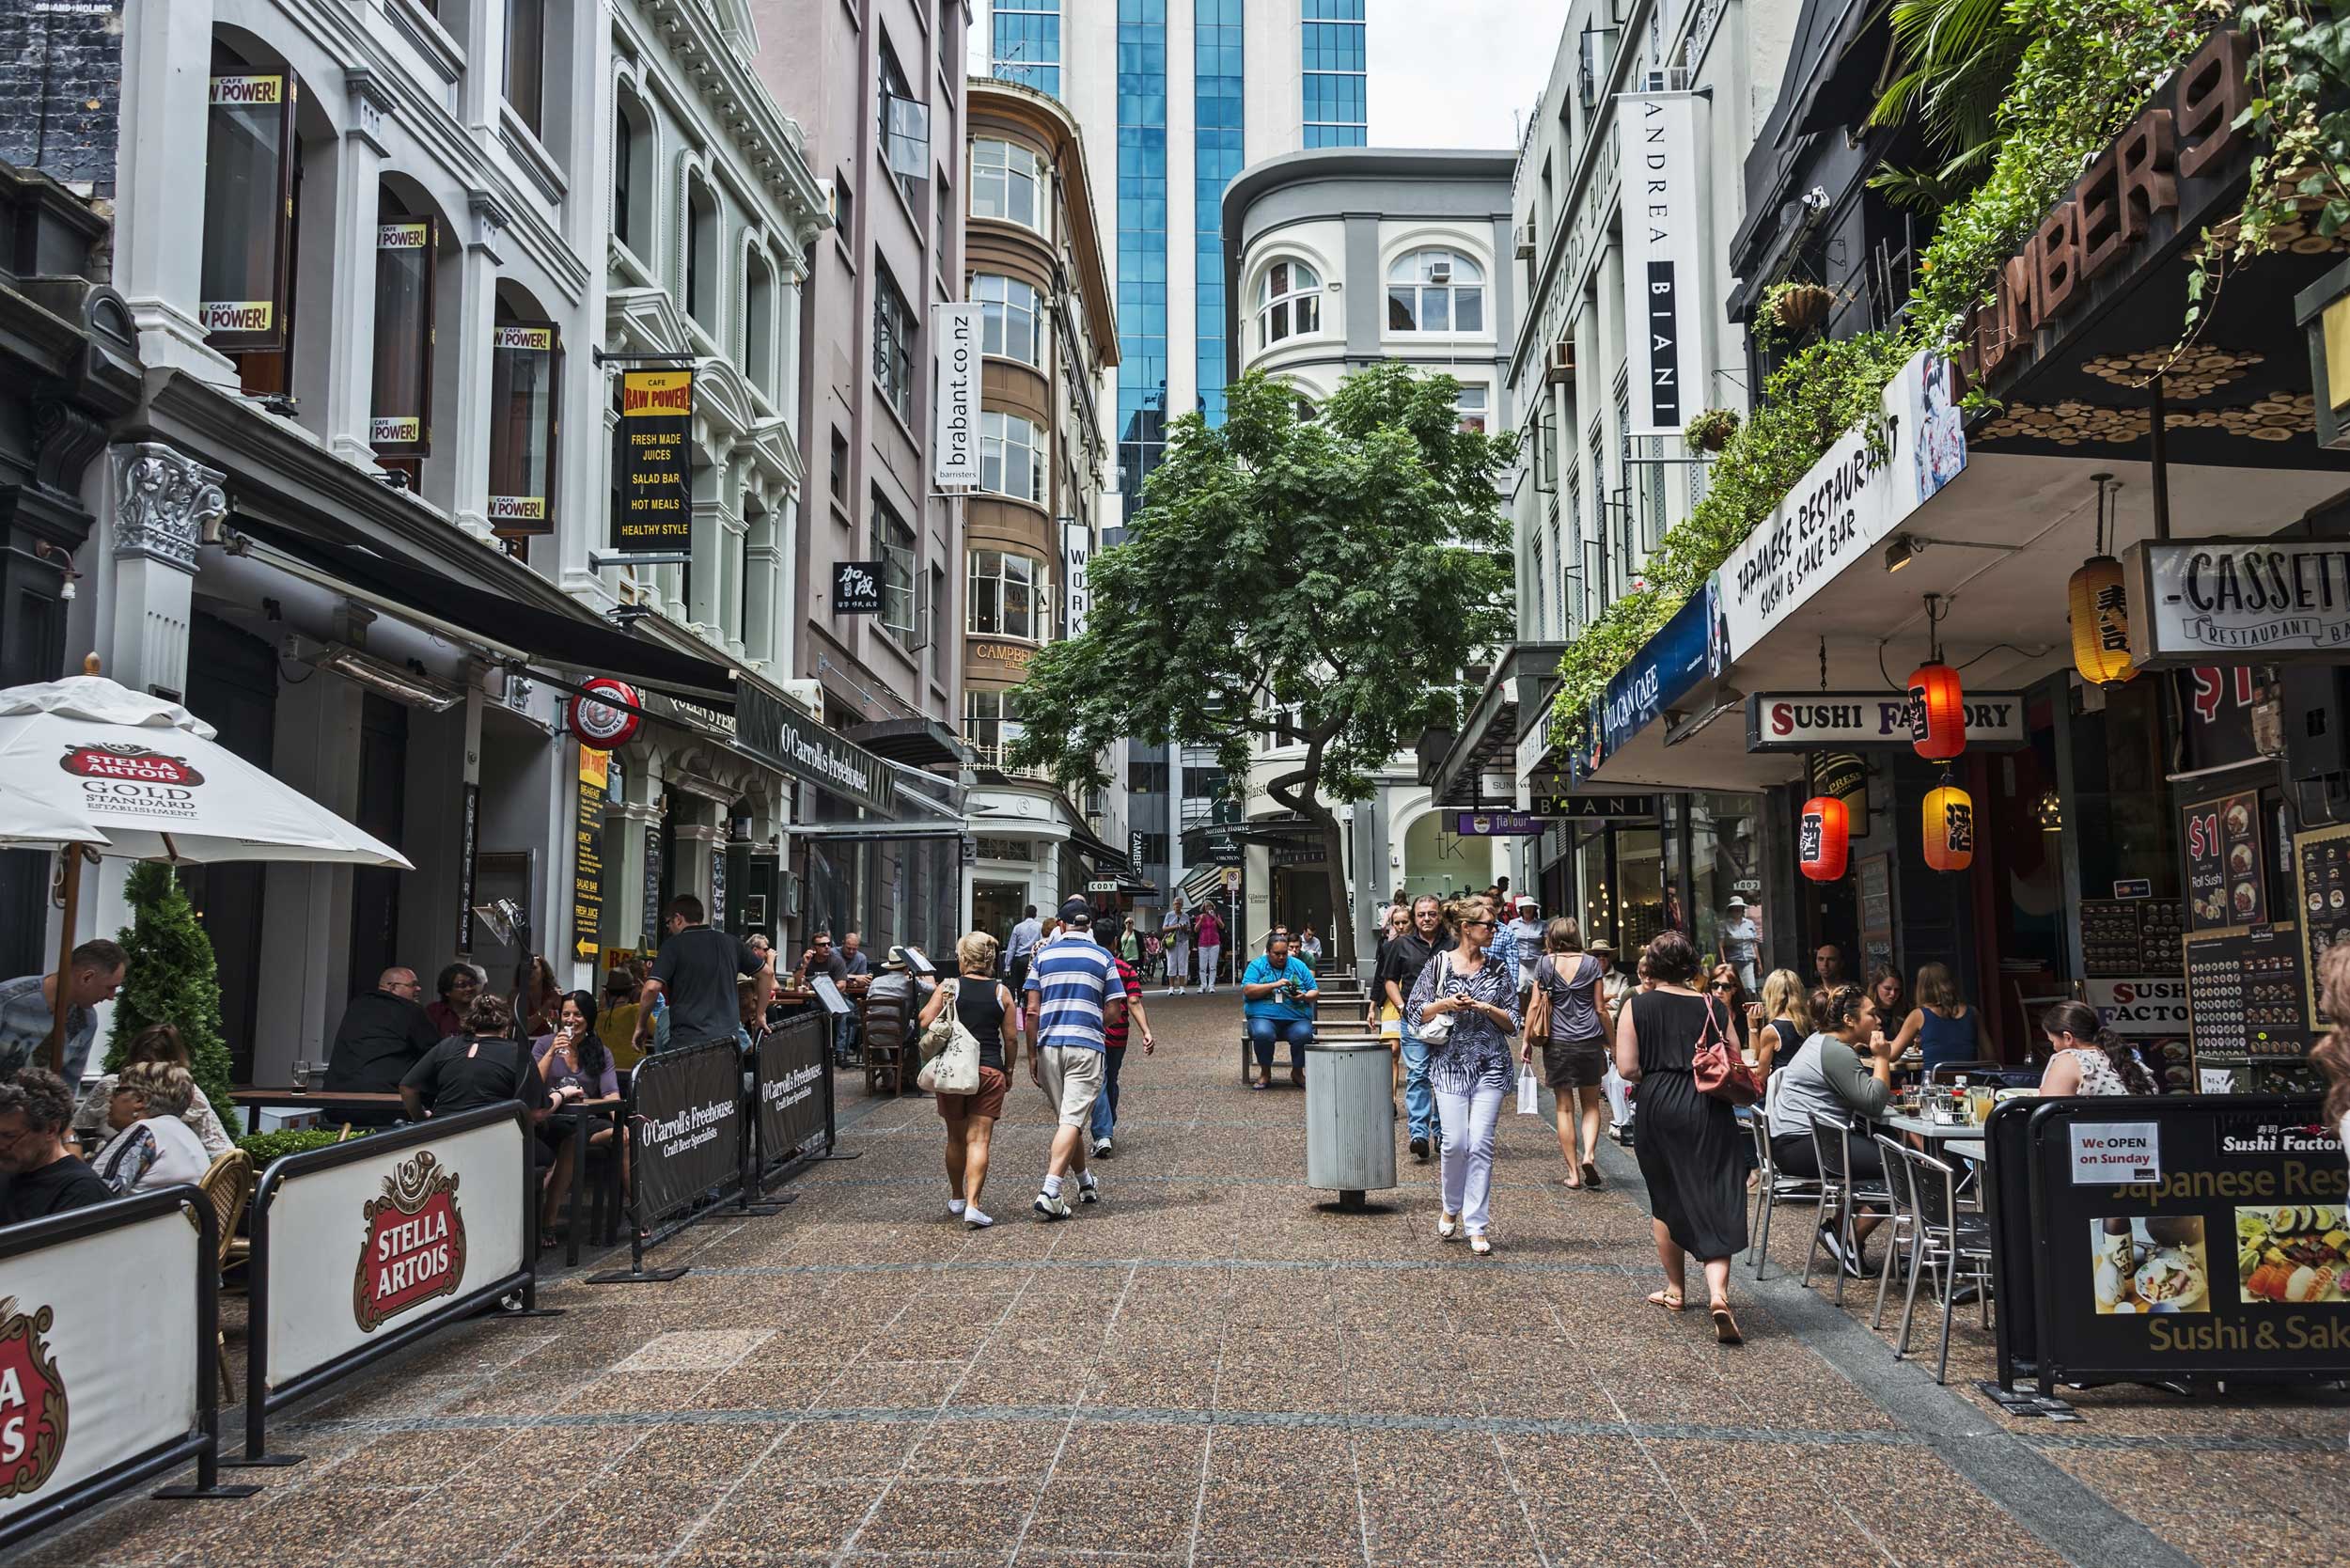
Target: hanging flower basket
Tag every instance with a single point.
(1711, 430)
(1802, 307)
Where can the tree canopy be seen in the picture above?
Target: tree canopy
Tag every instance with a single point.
(1317, 578)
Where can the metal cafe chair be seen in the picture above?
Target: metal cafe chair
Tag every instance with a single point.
(1771, 1188)
(1840, 1196)
(1953, 1243)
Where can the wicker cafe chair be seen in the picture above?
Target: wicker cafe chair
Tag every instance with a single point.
(227, 1185)
(1772, 1187)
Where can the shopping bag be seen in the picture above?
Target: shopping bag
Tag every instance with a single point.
(1618, 1096)
(1529, 1093)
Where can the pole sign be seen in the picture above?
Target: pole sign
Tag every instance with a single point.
(1077, 552)
(2226, 601)
(1665, 213)
(857, 588)
(1848, 721)
(656, 479)
(955, 453)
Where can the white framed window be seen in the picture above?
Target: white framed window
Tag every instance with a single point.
(893, 546)
(1005, 183)
(1435, 291)
(1009, 312)
(1008, 597)
(1472, 403)
(1289, 302)
(991, 720)
(1011, 456)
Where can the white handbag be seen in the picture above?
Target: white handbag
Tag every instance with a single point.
(956, 1069)
(1436, 1030)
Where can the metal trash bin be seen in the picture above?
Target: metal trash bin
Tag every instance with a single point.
(1350, 1118)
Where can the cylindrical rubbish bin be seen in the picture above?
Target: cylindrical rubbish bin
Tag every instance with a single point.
(1350, 1118)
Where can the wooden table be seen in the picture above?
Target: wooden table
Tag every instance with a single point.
(255, 1101)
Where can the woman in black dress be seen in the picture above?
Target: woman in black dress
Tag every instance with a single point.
(1689, 1144)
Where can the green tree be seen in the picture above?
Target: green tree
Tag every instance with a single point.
(170, 978)
(1292, 577)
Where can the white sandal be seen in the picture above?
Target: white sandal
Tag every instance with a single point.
(1448, 1227)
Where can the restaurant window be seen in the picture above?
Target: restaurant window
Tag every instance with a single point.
(893, 345)
(893, 546)
(1007, 318)
(526, 360)
(246, 270)
(399, 421)
(1007, 595)
(526, 61)
(758, 322)
(1005, 179)
(990, 721)
(1010, 456)
(702, 254)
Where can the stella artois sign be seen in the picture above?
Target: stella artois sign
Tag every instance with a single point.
(32, 1401)
(127, 762)
(415, 1242)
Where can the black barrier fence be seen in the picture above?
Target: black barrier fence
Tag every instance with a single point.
(791, 1082)
(384, 1241)
(67, 1387)
(685, 1151)
(2170, 1238)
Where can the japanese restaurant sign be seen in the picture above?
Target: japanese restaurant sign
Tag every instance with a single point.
(2222, 600)
(1810, 721)
(656, 434)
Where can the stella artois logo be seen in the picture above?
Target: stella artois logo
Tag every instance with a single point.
(32, 1401)
(415, 1242)
(126, 761)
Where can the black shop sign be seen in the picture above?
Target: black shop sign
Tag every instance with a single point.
(656, 433)
(857, 588)
(790, 1081)
(688, 1121)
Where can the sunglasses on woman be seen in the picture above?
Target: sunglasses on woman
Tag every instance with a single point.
(1721, 985)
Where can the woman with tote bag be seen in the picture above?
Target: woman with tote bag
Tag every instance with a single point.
(984, 1012)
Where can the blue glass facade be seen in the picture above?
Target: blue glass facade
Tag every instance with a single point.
(1336, 70)
(1141, 244)
(1026, 46)
(1219, 89)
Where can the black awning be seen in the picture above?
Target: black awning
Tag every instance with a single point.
(1110, 861)
(918, 743)
(578, 639)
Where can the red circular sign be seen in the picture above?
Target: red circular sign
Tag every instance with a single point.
(601, 724)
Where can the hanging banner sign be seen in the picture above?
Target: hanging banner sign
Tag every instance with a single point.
(1811, 721)
(955, 453)
(2222, 600)
(1664, 246)
(1684, 651)
(1847, 503)
(595, 771)
(656, 510)
(1076, 550)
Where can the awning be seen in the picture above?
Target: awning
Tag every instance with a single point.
(1110, 861)
(921, 743)
(580, 639)
(1487, 743)
(1199, 882)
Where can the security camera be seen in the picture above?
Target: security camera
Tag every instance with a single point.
(1816, 199)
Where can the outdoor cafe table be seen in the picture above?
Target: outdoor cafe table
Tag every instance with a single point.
(255, 1101)
(1932, 1132)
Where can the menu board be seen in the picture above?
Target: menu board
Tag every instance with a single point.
(2130, 936)
(2221, 840)
(2246, 995)
(2321, 880)
(1876, 911)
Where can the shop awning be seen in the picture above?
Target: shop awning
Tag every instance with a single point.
(921, 743)
(1487, 744)
(1108, 860)
(578, 639)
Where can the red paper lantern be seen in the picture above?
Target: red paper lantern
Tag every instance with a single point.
(1937, 712)
(1950, 828)
(1823, 837)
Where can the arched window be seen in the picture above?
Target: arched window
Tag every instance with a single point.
(1011, 456)
(1435, 291)
(1007, 318)
(702, 254)
(632, 174)
(1289, 302)
(758, 322)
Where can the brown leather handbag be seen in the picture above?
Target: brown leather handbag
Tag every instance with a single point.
(1717, 1067)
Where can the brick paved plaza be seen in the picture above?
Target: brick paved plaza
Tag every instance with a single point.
(1207, 1370)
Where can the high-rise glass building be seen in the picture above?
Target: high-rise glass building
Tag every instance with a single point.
(1185, 93)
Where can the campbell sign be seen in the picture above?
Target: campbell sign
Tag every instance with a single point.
(415, 1242)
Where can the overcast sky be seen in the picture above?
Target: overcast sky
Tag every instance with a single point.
(1458, 72)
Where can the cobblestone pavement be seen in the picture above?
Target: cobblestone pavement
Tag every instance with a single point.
(1206, 1370)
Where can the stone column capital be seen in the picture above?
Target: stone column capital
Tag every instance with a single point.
(164, 502)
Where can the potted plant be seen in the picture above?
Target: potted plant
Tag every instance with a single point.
(171, 978)
(1711, 430)
(1801, 308)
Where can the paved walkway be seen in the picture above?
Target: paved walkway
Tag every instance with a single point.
(1206, 1370)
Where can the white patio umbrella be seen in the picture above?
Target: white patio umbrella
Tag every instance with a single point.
(86, 761)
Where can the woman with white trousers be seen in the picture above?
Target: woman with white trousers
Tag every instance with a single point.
(1470, 1069)
(1207, 937)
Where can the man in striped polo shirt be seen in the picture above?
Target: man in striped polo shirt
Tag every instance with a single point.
(1073, 989)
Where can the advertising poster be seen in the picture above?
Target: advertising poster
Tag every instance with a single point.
(2221, 842)
(689, 1126)
(791, 1089)
(2320, 879)
(656, 433)
(588, 856)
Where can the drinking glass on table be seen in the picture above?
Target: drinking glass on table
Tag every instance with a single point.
(302, 1073)
(1981, 1097)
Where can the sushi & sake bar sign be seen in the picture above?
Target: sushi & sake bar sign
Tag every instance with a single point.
(2207, 1237)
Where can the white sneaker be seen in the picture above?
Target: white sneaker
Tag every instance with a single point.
(1050, 1208)
(1088, 1188)
(955, 1207)
(1100, 1146)
(977, 1220)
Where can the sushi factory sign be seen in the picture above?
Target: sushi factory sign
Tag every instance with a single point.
(2206, 1236)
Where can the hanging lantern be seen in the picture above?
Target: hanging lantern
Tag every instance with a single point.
(1823, 837)
(1950, 828)
(1937, 712)
(2101, 623)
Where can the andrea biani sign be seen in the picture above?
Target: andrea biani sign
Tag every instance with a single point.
(1664, 213)
(2227, 600)
(1815, 721)
(1553, 799)
(656, 436)
(857, 588)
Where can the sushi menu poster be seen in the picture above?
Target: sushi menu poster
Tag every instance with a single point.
(2221, 840)
(2320, 879)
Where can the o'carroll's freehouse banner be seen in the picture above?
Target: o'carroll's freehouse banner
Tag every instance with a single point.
(1666, 223)
(656, 480)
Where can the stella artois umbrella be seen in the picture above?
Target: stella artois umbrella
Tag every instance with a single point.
(88, 762)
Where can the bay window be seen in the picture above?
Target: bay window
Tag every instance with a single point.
(990, 721)
(1008, 318)
(1008, 596)
(1011, 456)
(1004, 181)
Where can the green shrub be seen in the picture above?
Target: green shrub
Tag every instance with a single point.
(170, 978)
(265, 1147)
